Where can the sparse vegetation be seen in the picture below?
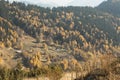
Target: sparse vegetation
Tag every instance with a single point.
(103, 70)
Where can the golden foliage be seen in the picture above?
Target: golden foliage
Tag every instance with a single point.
(2, 45)
(1, 60)
(65, 64)
(35, 60)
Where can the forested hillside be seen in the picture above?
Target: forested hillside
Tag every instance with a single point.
(62, 36)
(82, 26)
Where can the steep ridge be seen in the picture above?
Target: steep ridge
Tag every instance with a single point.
(110, 6)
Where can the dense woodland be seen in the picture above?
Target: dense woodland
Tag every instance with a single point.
(81, 31)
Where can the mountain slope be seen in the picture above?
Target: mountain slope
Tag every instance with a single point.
(60, 39)
(111, 6)
(82, 26)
